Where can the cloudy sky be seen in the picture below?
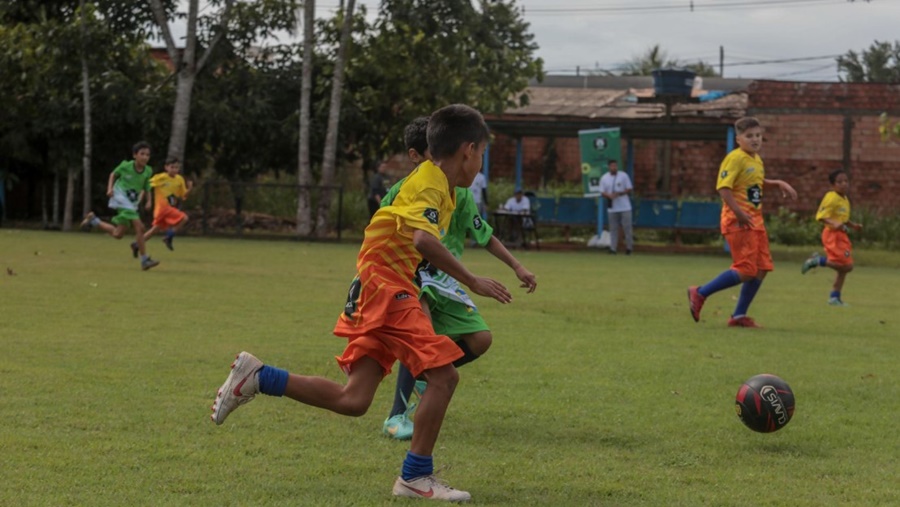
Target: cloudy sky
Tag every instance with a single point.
(605, 34)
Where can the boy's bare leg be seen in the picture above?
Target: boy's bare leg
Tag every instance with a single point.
(139, 236)
(353, 398)
(150, 232)
(433, 407)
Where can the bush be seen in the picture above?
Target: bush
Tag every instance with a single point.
(788, 228)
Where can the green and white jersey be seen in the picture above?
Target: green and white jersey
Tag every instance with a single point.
(129, 184)
(465, 222)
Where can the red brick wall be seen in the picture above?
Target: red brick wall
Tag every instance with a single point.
(804, 141)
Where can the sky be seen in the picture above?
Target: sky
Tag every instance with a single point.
(603, 35)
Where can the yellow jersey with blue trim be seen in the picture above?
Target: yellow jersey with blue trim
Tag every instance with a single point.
(836, 206)
(744, 174)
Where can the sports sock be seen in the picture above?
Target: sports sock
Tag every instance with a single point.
(144, 257)
(836, 294)
(726, 279)
(405, 385)
(416, 466)
(95, 222)
(823, 260)
(469, 355)
(748, 292)
(272, 380)
(170, 233)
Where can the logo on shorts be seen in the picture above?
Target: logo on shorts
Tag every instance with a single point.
(402, 295)
(431, 215)
(847, 253)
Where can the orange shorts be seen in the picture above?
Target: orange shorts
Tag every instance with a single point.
(169, 216)
(837, 246)
(750, 251)
(402, 331)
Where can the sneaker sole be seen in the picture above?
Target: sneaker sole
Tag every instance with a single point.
(695, 316)
(243, 366)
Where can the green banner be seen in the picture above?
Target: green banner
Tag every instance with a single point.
(598, 147)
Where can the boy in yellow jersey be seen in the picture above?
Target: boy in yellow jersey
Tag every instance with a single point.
(740, 184)
(834, 213)
(382, 319)
(169, 189)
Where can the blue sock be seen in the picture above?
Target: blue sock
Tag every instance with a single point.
(272, 380)
(836, 294)
(726, 279)
(170, 233)
(748, 292)
(416, 466)
(823, 260)
(405, 385)
(144, 258)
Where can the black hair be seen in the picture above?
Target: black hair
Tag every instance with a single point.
(746, 123)
(172, 160)
(415, 135)
(832, 176)
(138, 146)
(452, 126)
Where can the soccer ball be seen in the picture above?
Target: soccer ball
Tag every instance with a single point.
(765, 403)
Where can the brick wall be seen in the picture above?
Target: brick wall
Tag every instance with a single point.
(804, 141)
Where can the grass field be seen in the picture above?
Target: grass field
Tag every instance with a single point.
(599, 390)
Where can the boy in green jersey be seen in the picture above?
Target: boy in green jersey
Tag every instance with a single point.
(453, 313)
(128, 183)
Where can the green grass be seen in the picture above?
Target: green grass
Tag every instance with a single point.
(599, 389)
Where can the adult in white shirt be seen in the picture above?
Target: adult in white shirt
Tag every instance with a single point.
(518, 203)
(479, 193)
(615, 187)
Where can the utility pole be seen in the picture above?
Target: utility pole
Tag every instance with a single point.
(721, 61)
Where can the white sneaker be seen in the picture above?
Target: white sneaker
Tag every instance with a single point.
(241, 386)
(429, 486)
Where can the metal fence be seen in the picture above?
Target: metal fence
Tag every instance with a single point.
(259, 209)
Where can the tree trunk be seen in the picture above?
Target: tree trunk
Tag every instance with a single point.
(86, 94)
(71, 174)
(181, 114)
(304, 171)
(54, 220)
(334, 116)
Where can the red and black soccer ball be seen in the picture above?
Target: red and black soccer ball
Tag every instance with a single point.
(765, 403)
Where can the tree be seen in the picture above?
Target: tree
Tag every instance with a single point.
(334, 112)
(656, 58)
(878, 64)
(304, 169)
(424, 54)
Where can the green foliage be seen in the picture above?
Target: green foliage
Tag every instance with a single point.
(421, 55)
(879, 229)
(787, 227)
(880, 63)
(598, 390)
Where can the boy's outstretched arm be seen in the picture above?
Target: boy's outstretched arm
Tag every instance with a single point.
(786, 188)
(496, 248)
(437, 254)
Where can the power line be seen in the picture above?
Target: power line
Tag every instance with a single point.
(685, 5)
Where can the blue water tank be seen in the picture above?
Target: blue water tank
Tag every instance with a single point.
(673, 82)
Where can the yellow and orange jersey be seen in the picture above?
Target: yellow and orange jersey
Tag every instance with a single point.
(167, 190)
(744, 175)
(834, 206)
(388, 260)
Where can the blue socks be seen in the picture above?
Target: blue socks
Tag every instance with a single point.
(748, 292)
(836, 294)
(823, 260)
(272, 381)
(170, 233)
(726, 279)
(405, 385)
(416, 466)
